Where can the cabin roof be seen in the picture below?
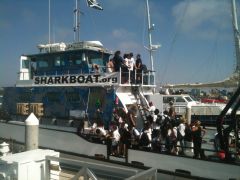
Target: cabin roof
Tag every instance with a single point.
(58, 48)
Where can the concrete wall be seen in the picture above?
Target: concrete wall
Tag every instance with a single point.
(54, 139)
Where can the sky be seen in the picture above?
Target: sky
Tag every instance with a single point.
(196, 36)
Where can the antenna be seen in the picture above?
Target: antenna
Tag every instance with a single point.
(236, 36)
(151, 47)
(49, 22)
(76, 27)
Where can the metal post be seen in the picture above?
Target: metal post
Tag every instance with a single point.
(236, 36)
(188, 114)
(77, 22)
(31, 132)
(135, 76)
(120, 78)
(149, 78)
(129, 75)
(149, 35)
(49, 24)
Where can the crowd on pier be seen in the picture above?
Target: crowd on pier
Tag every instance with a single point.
(164, 133)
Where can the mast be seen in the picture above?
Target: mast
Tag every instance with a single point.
(49, 21)
(76, 27)
(236, 36)
(151, 47)
(150, 28)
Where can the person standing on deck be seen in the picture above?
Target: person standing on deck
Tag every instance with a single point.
(110, 66)
(181, 134)
(197, 139)
(117, 60)
(171, 112)
(138, 69)
(131, 62)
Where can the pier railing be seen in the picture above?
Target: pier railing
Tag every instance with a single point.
(75, 169)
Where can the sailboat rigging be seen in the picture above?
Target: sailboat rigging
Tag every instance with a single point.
(234, 79)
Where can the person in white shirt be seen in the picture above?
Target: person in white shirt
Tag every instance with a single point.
(131, 62)
(151, 109)
(171, 140)
(115, 140)
(181, 133)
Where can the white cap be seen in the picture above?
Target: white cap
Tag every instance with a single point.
(32, 120)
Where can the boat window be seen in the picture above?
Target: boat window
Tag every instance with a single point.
(25, 64)
(95, 58)
(168, 99)
(78, 61)
(180, 99)
(58, 62)
(74, 59)
(42, 63)
(188, 99)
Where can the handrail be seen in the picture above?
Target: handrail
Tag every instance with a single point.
(224, 133)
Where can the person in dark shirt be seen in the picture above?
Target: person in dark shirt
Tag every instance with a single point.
(138, 68)
(197, 139)
(117, 60)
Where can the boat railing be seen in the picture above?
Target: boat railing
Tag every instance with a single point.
(135, 77)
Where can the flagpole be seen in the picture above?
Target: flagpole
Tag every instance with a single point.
(76, 28)
(149, 35)
(49, 23)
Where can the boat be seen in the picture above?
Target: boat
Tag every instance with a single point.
(205, 111)
(66, 84)
(213, 100)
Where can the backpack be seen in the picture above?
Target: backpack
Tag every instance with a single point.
(144, 140)
(188, 133)
(179, 135)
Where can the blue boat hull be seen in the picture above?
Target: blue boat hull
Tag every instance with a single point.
(60, 102)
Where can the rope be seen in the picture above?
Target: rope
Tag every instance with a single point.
(173, 41)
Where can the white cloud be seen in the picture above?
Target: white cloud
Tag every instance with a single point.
(122, 34)
(125, 40)
(201, 16)
(129, 46)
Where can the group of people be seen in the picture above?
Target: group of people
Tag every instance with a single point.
(119, 133)
(160, 133)
(128, 64)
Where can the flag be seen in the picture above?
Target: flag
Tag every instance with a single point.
(94, 4)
